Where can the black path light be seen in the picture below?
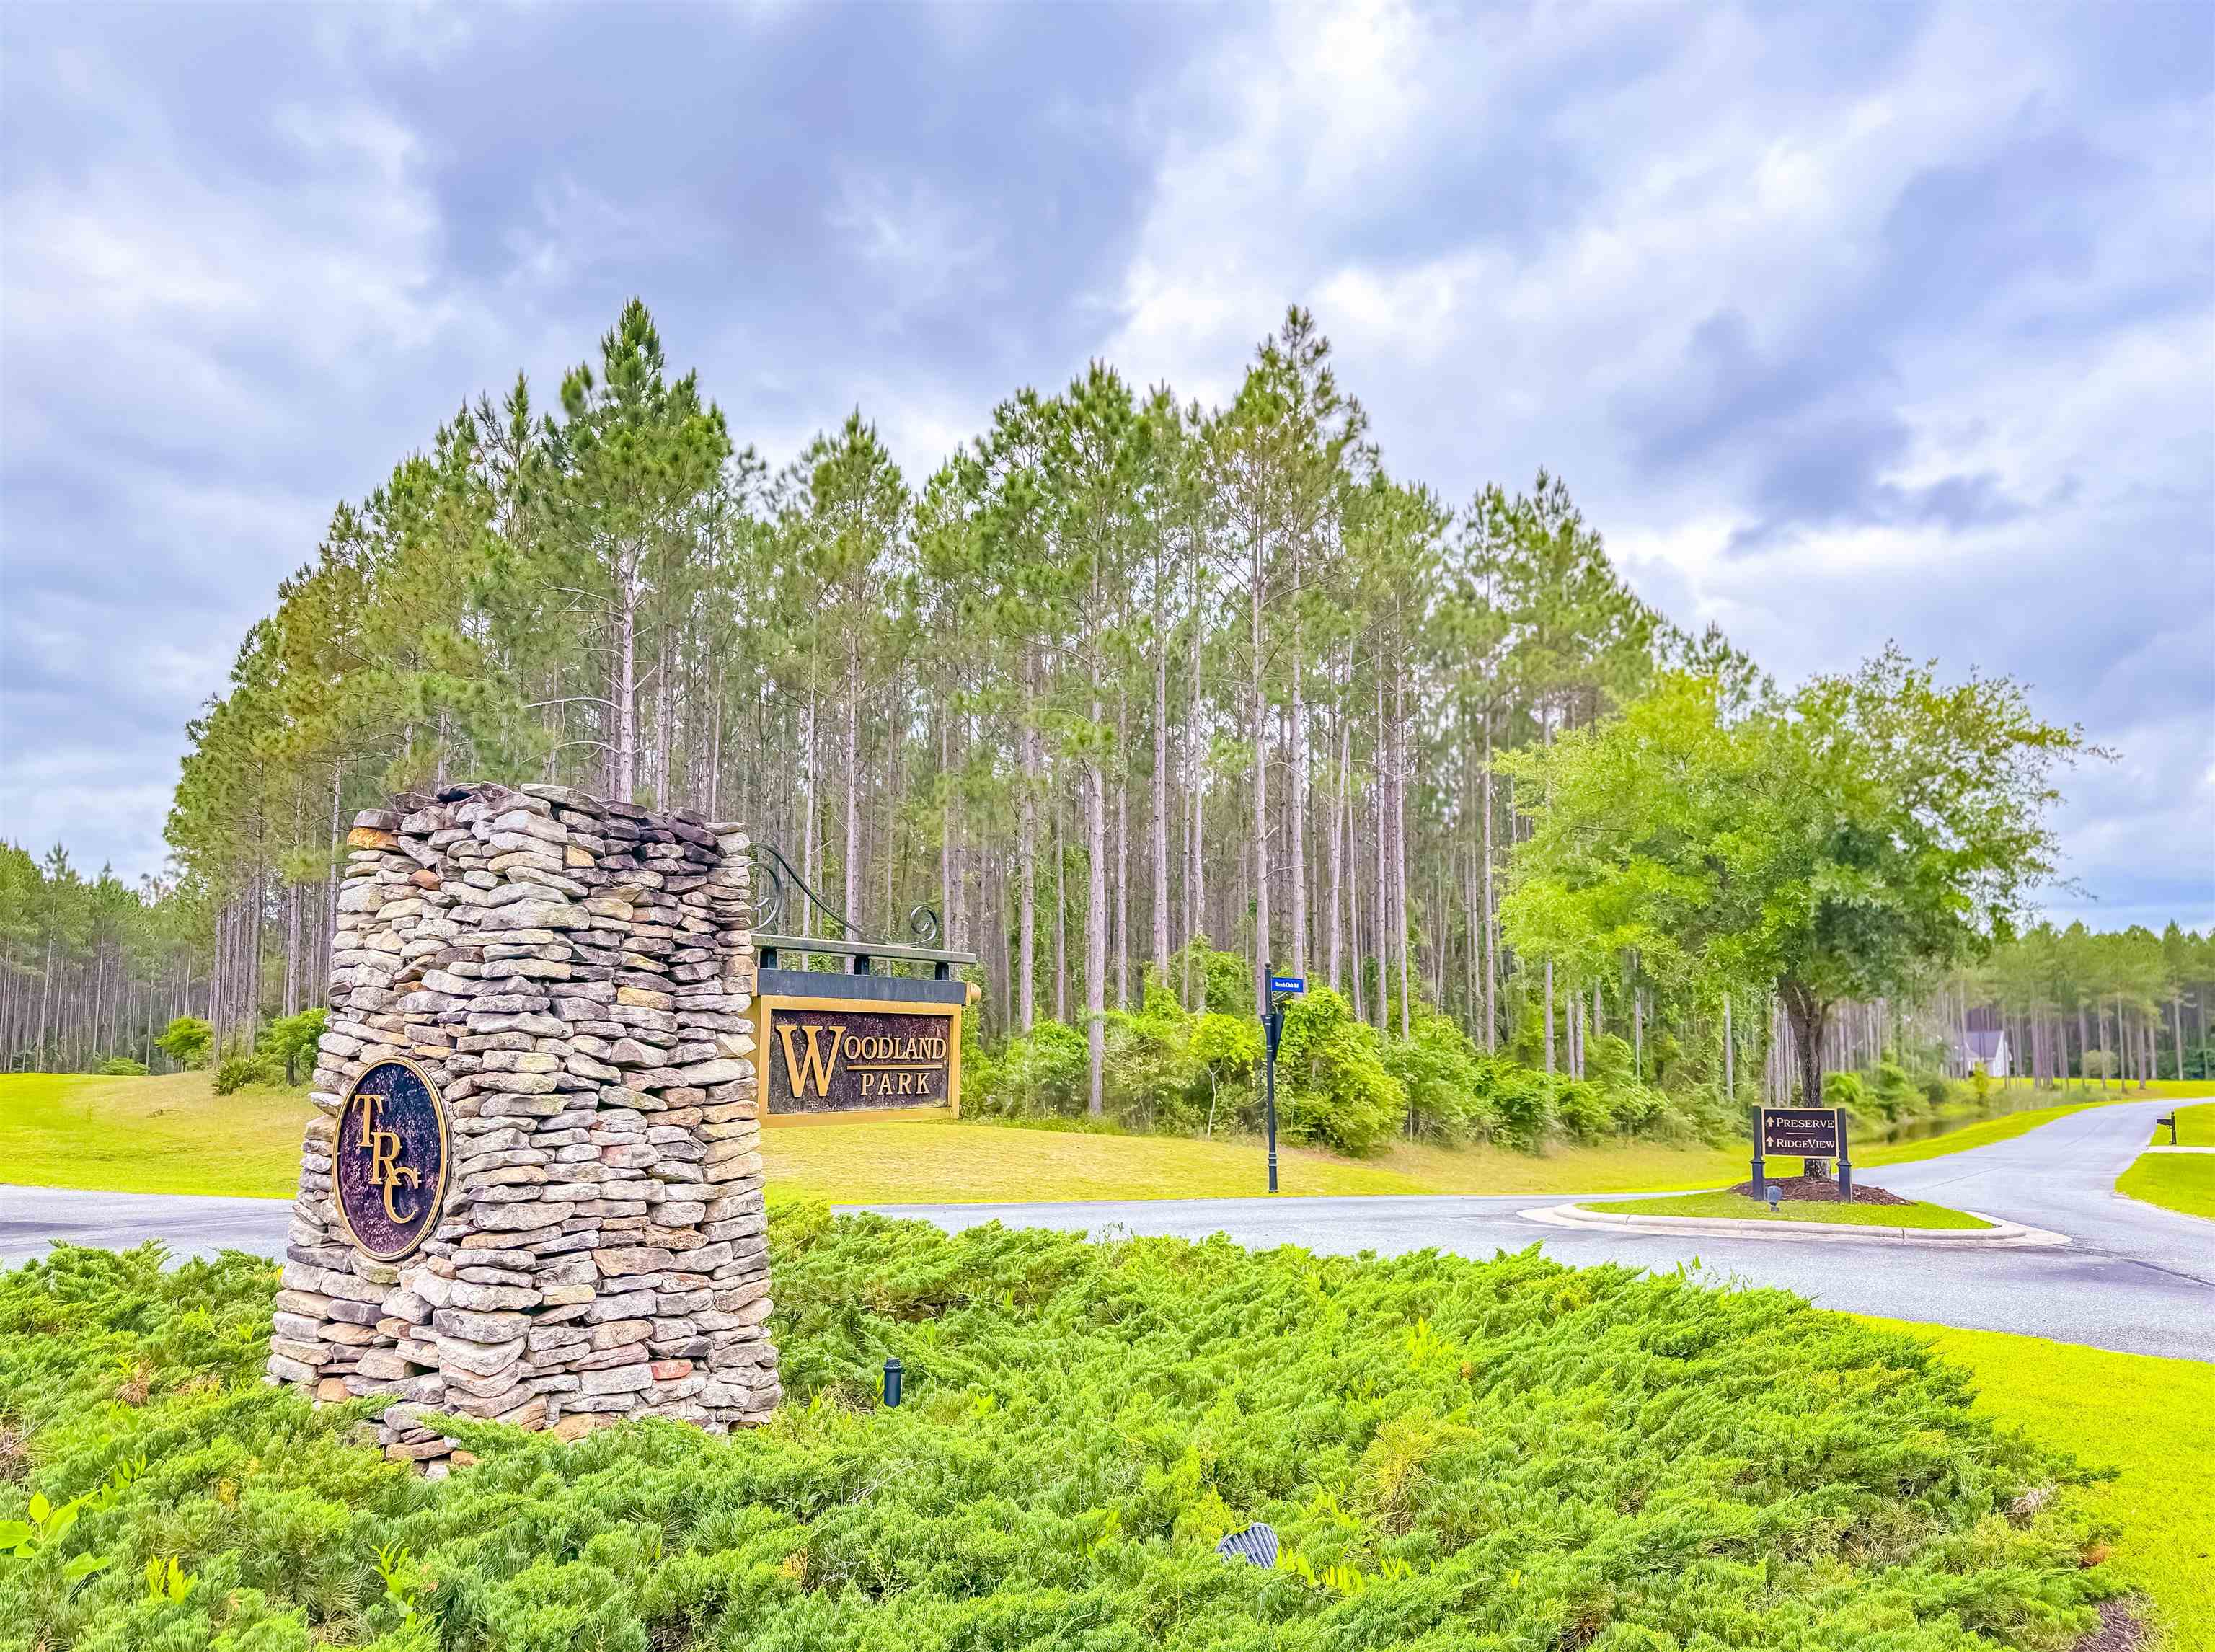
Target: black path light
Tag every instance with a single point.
(1256, 1545)
(892, 1374)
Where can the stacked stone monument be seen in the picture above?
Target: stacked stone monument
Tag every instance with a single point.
(574, 975)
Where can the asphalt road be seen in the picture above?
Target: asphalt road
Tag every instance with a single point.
(2135, 1278)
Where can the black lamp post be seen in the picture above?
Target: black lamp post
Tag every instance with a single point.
(1273, 1030)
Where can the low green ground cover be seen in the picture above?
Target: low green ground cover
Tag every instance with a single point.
(1738, 1208)
(1509, 1454)
(2178, 1181)
(2195, 1126)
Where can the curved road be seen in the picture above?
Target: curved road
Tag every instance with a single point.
(2134, 1277)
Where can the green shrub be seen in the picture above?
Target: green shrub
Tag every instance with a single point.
(290, 1040)
(1444, 1075)
(1507, 1454)
(1521, 1101)
(1224, 978)
(120, 1066)
(1333, 1087)
(1892, 1093)
(1845, 1090)
(1045, 1075)
(187, 1040)
(237, 1072)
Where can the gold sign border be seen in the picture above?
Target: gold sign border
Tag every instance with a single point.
(764, 1008)
(446, 1159)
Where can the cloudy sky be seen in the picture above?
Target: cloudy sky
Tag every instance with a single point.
(1844, 322)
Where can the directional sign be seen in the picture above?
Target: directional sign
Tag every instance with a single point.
(1288, 983)
(1811, 1132)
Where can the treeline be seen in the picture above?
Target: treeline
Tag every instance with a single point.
(92, 969)
(1125, 685)
(2128, 1005)
(1124, 673)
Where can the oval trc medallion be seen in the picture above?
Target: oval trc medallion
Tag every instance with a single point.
(388, 1169)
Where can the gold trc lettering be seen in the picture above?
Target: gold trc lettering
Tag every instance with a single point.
(385, 1170)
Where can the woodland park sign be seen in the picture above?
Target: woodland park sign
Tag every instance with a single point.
(857, 1043)
(829, 1055)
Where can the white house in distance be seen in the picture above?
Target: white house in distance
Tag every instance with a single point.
(1985, 1048)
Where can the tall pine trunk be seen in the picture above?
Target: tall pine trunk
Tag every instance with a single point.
(1261, 806)
(1026, 851)
(1161, 823)
(1096, 921)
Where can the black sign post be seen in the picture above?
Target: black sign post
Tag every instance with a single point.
(1273, 1028)
(1760, 1165)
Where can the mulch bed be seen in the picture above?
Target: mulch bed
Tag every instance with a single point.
(1821, 1190)
(2119, 1631)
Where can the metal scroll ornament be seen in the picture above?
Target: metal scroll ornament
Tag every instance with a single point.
(776, 883)
(391, 1162)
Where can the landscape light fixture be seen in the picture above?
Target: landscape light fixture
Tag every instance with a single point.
(1776, 1196)
(892, 1380)
(1256, 1545)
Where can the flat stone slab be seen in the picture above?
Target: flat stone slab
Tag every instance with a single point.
(2000, 1236)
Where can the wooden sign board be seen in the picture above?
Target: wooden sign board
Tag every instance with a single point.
(1804, 1131)
(833, 1060)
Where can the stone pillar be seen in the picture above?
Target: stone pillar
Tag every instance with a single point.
(572, 976)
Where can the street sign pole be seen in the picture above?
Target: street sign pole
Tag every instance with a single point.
(1845, 1162)
(1274, 1027)
(1760, 1166)
(1273, 1030)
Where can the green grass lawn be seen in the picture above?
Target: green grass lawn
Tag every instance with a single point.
(2149, 1422)
(2179, 1182)
(1738, 1207)
(173, 1134)
(170, 1134)
(2195, 1127)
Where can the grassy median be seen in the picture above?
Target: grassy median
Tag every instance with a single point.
(1739, 1208)
(2180, 1181)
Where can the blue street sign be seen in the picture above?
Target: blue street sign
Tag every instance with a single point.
(1288, 983)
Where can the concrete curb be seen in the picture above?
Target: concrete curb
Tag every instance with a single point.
(2166, 1149)
(2001, 1235)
